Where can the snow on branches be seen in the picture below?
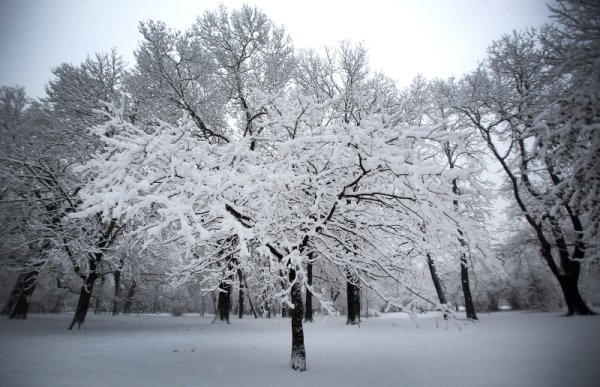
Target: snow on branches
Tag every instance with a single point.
(355, 194)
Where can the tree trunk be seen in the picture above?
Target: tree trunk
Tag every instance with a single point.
(201, 304)
(437, 283)
(464, 268)
(298, 358)
(117, 278)
(89, 280)
(224, 305)
(308, 308)
(464, 279)
(241, 294)
(20, 297)
(129, 300)
(568, 277)
(575, 303)
(353, 300)
(14, 295)
(84, 301)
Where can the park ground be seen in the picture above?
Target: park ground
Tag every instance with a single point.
(502, 349)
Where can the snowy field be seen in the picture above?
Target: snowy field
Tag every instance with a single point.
(503, 349)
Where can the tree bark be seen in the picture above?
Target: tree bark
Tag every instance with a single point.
(224, 304)
(308, 308)
(298, 358)
(353, 300)
(129, 300)
(14, 295)
(116, 299)
(437, 283)
(20, 297)
(84, 301)
(464, 268)
(89, 280)
(241, 294)
(568, 278)
(575, 303)
(464, 279)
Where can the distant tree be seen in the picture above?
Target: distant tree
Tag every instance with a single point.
(528, 284)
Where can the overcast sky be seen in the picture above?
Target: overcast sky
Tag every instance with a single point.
(437, 38)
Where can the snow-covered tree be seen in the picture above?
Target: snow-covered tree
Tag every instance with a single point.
(355, 193)
(503, 100)
(37, 168)
(567, 130)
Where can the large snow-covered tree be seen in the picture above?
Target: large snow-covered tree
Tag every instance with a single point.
(356, 193)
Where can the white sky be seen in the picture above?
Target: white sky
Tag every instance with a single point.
(404, 37)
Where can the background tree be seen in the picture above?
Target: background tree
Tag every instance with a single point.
(503, 100)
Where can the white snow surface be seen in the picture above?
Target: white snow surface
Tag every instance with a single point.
(503, 349)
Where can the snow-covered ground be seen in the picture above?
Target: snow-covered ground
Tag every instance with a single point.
(503, 349)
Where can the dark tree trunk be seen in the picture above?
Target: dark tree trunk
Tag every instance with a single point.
(129, 300)
(224, 304)
(14, 295)
(464, 268)
(464, 279)
(575, 303)
(116, 299)
(298, 358)
(568, 277)
(241, 294)
(83, 303)
(202, 304)
(308, 308)
(353, 300)
(20, 297)
(439, 289)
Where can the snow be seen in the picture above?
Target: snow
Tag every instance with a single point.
(503, 349)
